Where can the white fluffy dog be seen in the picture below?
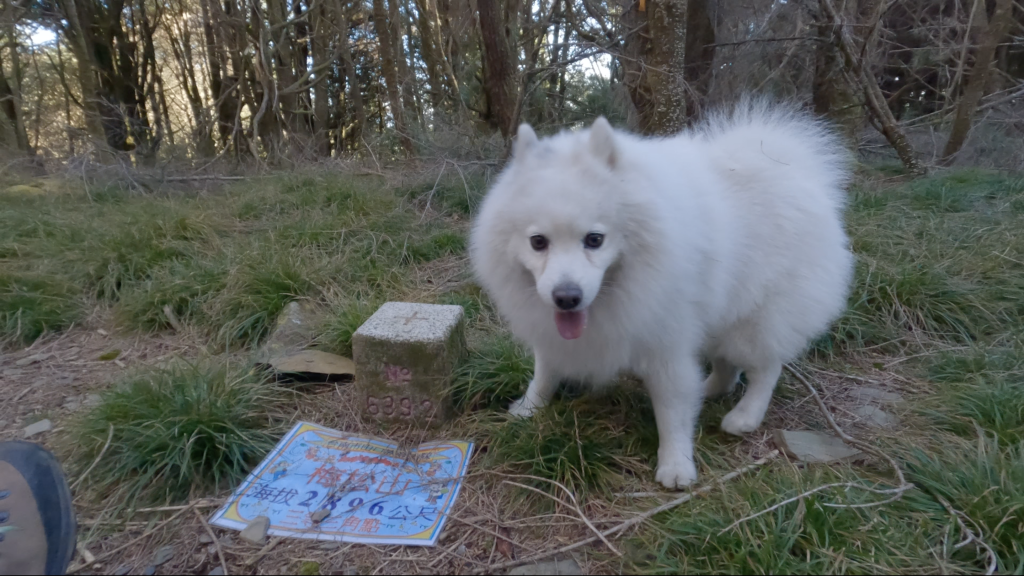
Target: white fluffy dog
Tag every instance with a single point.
(609, 253)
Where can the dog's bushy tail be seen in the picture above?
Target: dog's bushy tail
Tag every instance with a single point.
(759, 134)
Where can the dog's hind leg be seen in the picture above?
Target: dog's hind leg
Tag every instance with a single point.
(750, 411)
(723, 378)
(540, 391)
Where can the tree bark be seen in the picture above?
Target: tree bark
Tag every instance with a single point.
(386, 37)
(653, 63)
(998, 26)
(501, 71)
(699, 54)
(872, 93)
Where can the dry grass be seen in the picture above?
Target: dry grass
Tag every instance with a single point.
(226, 262)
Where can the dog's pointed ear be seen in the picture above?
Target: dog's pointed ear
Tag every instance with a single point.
(602, 142)
(526, 138)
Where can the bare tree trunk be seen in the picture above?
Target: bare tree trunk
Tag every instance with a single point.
(355, 90)
(321, 27)
(997, 28)
(872, 93)
(699, 54)
(11, 97)
(386, 33)
(501, 71)
(652, 60)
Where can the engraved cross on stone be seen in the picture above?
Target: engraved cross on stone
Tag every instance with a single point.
(414, 316)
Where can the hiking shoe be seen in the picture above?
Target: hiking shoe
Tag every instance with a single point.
(37, 521)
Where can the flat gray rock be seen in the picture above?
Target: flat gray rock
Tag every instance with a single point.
(292, 332)
(876, 417)
(869, 394)
(808, 446)
(550, 567)
(163, 555)
(37, 428)
(256, 531)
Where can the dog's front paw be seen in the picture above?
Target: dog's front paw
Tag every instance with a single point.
(740, 422)
(522, 409)
(676, 472)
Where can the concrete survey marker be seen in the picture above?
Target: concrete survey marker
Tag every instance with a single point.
(405, 354)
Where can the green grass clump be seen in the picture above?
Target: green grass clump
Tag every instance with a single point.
(984, 481)
(590, 444)
(343, 321)
(184, 285)
(256, 291)
(177, 429)
(31, 304)
(496, 372)
(984, 391)
(804, 537)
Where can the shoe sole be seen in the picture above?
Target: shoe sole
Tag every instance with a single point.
(46, 479)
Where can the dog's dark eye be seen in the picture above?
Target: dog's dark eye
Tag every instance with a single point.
(593, 240)
(538, 242)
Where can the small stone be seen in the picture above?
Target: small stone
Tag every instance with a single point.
(13, 372)
(218, 571)
(32, 359)
(227, 541)
(211, 549)
(205, 539)
(868, 394)
(163, 555)
(72, 403)
(568, 566)
(404, 355)
(876, 417)
(93, 399)
(149, 571)
(102, 332)
(461, 550)
(256, 531)
(37, 428)
(122, 570)
(808, 446)
(319, 516)
(292, 332)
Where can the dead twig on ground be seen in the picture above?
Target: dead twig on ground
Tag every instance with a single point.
(638, 519)
(110, 436)
(216, 542)
(146, 534)
(893, 493)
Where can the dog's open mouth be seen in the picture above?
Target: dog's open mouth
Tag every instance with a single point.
(571, 324)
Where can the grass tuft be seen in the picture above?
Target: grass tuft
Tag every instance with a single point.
(985, 481)
(178, 429)
(31, 304)
(496, 372)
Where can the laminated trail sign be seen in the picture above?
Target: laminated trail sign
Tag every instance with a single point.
(323, 484)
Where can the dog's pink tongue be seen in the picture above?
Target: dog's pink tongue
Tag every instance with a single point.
(571, 324)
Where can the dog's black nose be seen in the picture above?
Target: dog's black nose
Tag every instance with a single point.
(567, 296)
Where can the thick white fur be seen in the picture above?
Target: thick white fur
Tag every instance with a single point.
(726, 241)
